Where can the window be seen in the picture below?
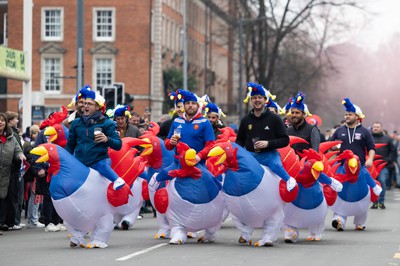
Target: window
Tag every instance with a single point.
(5, 30)
(48, 110)
(52, 24)
(51, 73)
(104, 24)
(171, 35)
(164, 31)
(103, 72)
(152, 26)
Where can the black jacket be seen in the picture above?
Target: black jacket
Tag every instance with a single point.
(165, 126)
(307, 132)
(388, 151)
(268, 126)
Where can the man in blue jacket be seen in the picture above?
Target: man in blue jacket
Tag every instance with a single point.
(91, 135)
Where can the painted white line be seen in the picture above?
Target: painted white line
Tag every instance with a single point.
(127, 257)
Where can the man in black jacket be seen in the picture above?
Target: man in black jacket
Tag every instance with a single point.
(300, 128)
(262, 132)
(388, 154)
(166, 125)
(214, 113)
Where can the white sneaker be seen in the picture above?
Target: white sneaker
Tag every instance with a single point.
(290, 184)
(15, 227)
(139, 217)
(22, 225)
(119, 183)
(61, 227)
(36, 225)
(51, 228)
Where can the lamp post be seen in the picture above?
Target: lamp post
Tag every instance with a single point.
(27, 44)
(79, 46)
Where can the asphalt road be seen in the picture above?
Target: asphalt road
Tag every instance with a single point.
(378, 245)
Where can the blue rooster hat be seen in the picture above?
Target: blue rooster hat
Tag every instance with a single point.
(213, 108)
(174, 97)
(257, 89)
(78, 96)
(271, 103)
(352, 108)
(122, 111)
(87, 93)
(298, 102)
(286, 108)
(187, 96)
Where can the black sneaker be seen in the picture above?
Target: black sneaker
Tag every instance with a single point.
(3, 227)
(382, 206)
(125, 225)
(374, 206)
(337, 224)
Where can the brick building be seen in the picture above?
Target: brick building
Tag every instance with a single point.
(130, 42)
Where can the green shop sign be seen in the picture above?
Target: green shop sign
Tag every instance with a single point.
(12, 64)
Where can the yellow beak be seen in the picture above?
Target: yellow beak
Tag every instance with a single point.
(148, 148)
(190, 157)
(42, 152)
(316, 169)
(218, 151)
(353, 164)
(51, 131)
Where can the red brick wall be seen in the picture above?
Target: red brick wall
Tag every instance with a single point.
(132, 62)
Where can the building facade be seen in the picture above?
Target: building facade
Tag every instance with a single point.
(128, 42)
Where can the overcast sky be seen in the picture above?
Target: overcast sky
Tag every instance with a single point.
(380, 27)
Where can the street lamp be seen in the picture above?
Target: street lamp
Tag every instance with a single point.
(79, 45)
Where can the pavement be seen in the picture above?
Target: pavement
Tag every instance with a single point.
(378, 245)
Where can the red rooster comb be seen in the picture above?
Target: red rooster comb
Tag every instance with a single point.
(55, 118)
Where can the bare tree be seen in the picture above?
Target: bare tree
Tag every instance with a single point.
(284, 31)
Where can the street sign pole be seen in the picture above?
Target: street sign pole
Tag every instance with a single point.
(27, 46)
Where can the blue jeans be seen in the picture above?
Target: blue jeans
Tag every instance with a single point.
(397, 174)
(104, 168)
(32, 215)
(382, 178)
(272, 159)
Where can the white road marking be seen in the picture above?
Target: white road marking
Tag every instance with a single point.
(127, 257)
